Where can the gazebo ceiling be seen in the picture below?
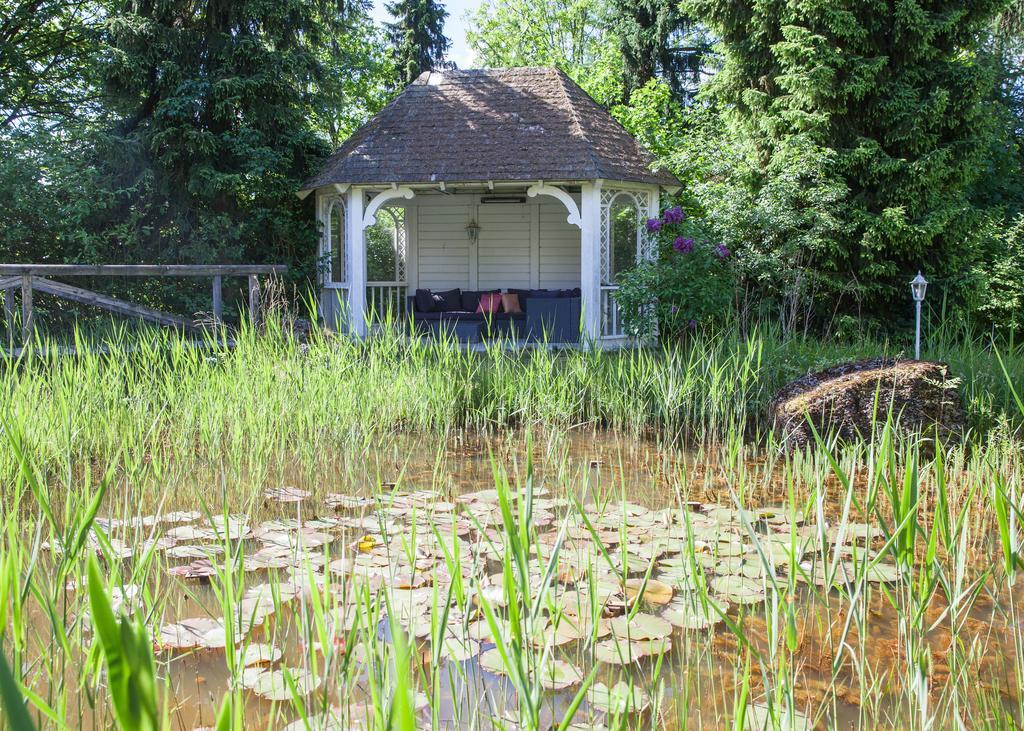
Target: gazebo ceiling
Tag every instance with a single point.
(519, 124)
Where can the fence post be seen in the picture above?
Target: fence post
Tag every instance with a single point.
(254, 299)
(26, 309)
(218, 301)
(9, 313)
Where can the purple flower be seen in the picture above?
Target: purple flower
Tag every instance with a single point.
(692, 324)
(674, 309)
(683, 245)
(722, 251)
(674, 215)
(654, 225)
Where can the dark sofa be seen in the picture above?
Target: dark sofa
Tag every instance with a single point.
(553, 315)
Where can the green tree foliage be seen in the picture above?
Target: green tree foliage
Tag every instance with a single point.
(867, 126)
(179, 132)
(569, 34)
(417, 36)
(47, 48)
(658, 40)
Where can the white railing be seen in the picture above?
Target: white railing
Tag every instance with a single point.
(611, 322)
(383, 298)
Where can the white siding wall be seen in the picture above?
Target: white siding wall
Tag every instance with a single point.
(559, 248)
(504, 256)
(442, 257)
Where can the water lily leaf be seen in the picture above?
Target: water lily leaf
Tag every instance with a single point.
(641, 627)
(692, 615)
(195, 551)
(260, 655)
(620, 699)
(759, 717)
(200, 569)
(654, 592)
(492, 663)
(186, 634)
(559, 675)
(738, 589)
(620, 651)
(285, 494)
(495, 596)
(347, 502)
(459, 650)
(272, 684)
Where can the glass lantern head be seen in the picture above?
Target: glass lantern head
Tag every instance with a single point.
(918, 287)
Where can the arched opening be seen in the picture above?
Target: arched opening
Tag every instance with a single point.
(386, 263)
(335, 249)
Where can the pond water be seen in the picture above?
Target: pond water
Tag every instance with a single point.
(682, 602)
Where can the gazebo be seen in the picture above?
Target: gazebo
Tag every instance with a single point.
(485, 180)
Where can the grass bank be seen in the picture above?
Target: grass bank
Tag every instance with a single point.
(154, 393)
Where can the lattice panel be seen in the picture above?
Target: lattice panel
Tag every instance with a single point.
(610, 199)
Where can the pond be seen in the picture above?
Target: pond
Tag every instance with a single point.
(664, 588)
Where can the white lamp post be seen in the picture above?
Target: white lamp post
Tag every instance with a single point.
(918, 287)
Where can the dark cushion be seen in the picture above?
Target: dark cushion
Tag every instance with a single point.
(471, 298)
(451, 301)
(426, 301)
(457, 315)
(505, 316)
(531, 292)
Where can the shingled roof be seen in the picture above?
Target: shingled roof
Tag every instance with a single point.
(497, 124)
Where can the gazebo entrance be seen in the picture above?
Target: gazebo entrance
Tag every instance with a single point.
(476, 238)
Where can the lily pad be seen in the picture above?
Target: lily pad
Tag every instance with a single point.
(559, 675)
(641, 627)
(654, 592)
(620, 699)
(274, 686)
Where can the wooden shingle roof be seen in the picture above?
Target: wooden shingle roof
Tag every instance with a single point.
(519, 124)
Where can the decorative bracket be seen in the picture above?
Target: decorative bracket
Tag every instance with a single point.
(554, 191)
(370, 216)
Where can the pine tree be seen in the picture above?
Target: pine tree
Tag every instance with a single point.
(890, 100)
(417, 36)
(658, 40)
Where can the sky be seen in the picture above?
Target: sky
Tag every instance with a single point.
(454, 27)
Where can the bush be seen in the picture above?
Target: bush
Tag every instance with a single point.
(689, 286)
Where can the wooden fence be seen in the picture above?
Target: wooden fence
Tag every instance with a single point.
(37, 277)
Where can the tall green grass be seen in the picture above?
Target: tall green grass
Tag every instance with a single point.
(157, 395)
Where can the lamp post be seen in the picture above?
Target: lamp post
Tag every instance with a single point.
(918, 287)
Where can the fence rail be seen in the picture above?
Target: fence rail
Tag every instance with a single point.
(385, 300)
(32, 277)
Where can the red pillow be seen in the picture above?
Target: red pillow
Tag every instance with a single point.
(489, 304)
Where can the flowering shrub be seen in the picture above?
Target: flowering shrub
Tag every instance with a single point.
(691, 285)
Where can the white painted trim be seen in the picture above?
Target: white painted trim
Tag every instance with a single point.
(355, 248)
(412, 264)
(370, 217)
(554, 191)
(590, 262)
(535, 247)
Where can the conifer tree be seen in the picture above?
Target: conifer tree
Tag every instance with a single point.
(889, 98)
(658, 40)
(417, 36)
(217, 115)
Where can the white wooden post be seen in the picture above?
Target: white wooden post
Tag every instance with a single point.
(590, 262)
(355, 253)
